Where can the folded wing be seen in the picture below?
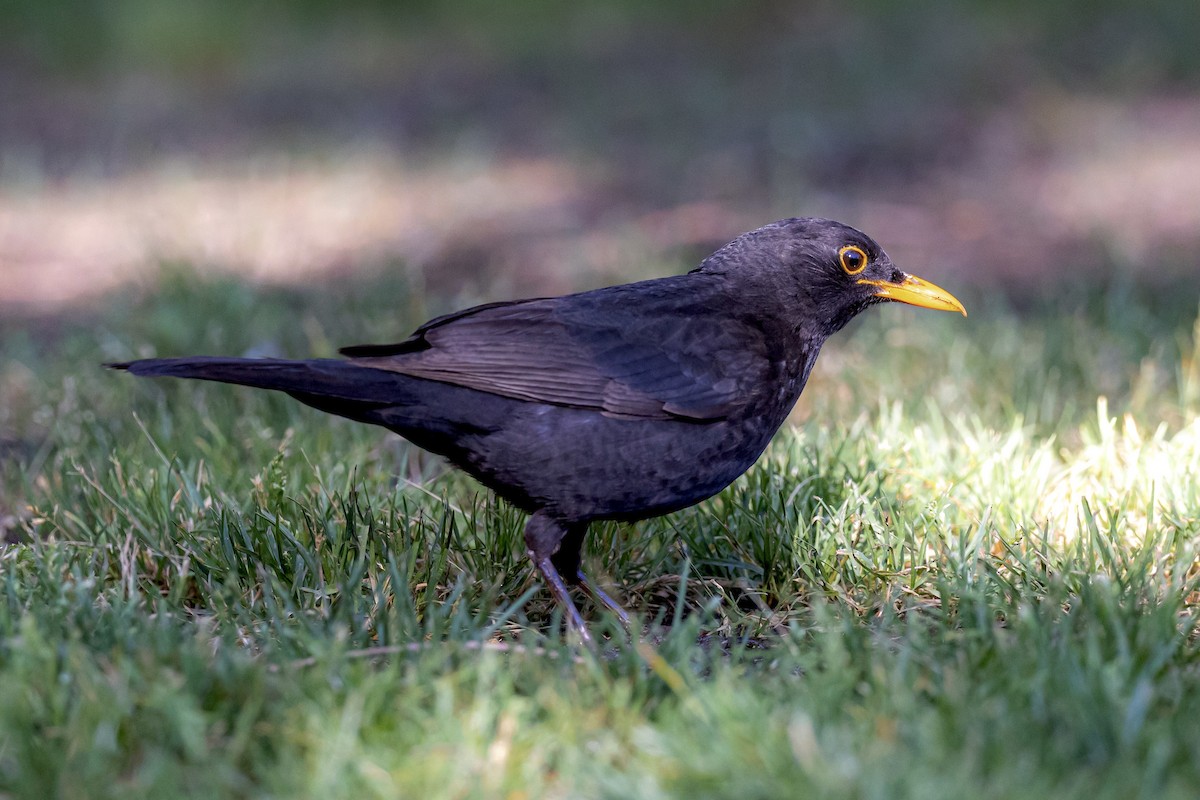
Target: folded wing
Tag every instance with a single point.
(596, 350)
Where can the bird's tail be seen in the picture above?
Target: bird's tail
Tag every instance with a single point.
(333, 385)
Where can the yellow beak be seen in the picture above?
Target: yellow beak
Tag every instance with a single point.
(917, 292)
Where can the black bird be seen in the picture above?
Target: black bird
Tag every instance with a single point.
(615, 404)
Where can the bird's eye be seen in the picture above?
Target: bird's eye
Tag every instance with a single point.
(853, 259)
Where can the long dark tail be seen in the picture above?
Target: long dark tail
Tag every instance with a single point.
(333, 385)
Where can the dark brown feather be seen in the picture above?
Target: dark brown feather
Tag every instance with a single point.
(594, 351)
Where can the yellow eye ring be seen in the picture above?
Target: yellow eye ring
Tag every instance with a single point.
(853, 258)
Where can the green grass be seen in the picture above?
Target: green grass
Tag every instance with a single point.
(963, 574)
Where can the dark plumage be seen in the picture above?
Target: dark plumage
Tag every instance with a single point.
(621, 403)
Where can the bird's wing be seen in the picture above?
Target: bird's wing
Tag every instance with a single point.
(621, 353)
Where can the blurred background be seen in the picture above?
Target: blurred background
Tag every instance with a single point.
(477, 149)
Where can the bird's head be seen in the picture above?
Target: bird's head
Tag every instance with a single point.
(824, 271)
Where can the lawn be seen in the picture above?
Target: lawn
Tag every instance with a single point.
(968, 570)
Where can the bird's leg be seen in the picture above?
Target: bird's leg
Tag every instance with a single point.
(543, 537)
(568, 560)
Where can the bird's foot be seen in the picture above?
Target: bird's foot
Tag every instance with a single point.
(558, 588)
(603, 598)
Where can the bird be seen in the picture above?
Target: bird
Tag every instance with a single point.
(620, 403)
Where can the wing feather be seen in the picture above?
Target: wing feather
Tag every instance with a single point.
(636, 354)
